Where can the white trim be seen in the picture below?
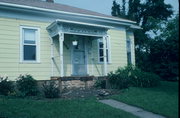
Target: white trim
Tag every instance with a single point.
(83, 34)
(70, 27)
(37, 44)
(108, 48)
(61, 40)
(99, 40)
(92, 57)
(52, 56)
(86, 55)
(131, 50)
(82, 23)
(104, 54)
(72, 68)
(70, 13)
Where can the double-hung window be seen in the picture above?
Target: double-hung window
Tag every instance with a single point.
(29, 44)
(128, 45)
(101, 50)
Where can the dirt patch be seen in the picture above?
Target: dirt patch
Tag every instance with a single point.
(87, 93)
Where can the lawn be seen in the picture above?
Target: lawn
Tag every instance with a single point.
(162, 99)
(57, 108)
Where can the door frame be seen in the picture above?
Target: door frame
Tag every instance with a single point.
(86, 57)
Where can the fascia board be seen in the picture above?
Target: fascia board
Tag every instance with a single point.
(82, 23)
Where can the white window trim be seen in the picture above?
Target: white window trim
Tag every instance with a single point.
(131, 50)
(108, 47)
(37, 45)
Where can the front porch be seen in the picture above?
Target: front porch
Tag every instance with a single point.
(74, 49)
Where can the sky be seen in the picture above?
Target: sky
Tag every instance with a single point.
(104, 6)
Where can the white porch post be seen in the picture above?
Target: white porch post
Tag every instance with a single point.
(61, 40)
(105, 55)
(52, 56)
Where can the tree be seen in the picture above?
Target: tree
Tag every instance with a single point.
(124, 8)
(115, 9)
(119, 10)
(155, 9)
(164, 54)
(148, 14)
(134, 10)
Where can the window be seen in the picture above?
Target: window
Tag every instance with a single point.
(29, 44)
(128, 46)
(100, 50)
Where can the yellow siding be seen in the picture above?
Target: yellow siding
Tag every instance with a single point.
(118, 49)
(10, 51)
(118, 52)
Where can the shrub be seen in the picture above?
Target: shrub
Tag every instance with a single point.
(6, 86)
(100, 84)
(132, 76)
(144, 79)
(27, 85)
(51, 90)
(119, 79)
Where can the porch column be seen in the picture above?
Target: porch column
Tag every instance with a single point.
(52, 56)
(61, 40)
(105, 55)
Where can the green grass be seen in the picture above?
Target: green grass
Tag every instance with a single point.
(162, 99)
(28, 108)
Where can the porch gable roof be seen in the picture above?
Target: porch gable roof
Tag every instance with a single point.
(79, 28)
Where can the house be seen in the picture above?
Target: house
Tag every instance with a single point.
(47, 39)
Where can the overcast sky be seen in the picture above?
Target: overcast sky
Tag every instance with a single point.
(104, 6)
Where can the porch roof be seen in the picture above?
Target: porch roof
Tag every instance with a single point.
(74, 27)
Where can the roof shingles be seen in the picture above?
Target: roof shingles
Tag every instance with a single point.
(59, 7)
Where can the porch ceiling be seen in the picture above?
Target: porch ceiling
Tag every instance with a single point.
(77, 28)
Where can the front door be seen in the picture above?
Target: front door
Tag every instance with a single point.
(79, 58)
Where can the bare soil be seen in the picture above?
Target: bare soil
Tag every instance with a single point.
(87, 93)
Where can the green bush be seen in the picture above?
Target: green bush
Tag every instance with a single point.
(27, 85)
(100, 84)
(132, 76)
(120, 79)
(144, 79)
(51, 90)
(6, 86)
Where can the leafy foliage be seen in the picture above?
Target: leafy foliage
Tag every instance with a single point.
(100, 84)
(158, 55)
(164, 54)
(144, 79)
(118, 81)
(115, 9)
(135, 10)
(6, 86)
(141, 10)
(51, 90)
(132, 76)
(27, 85)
